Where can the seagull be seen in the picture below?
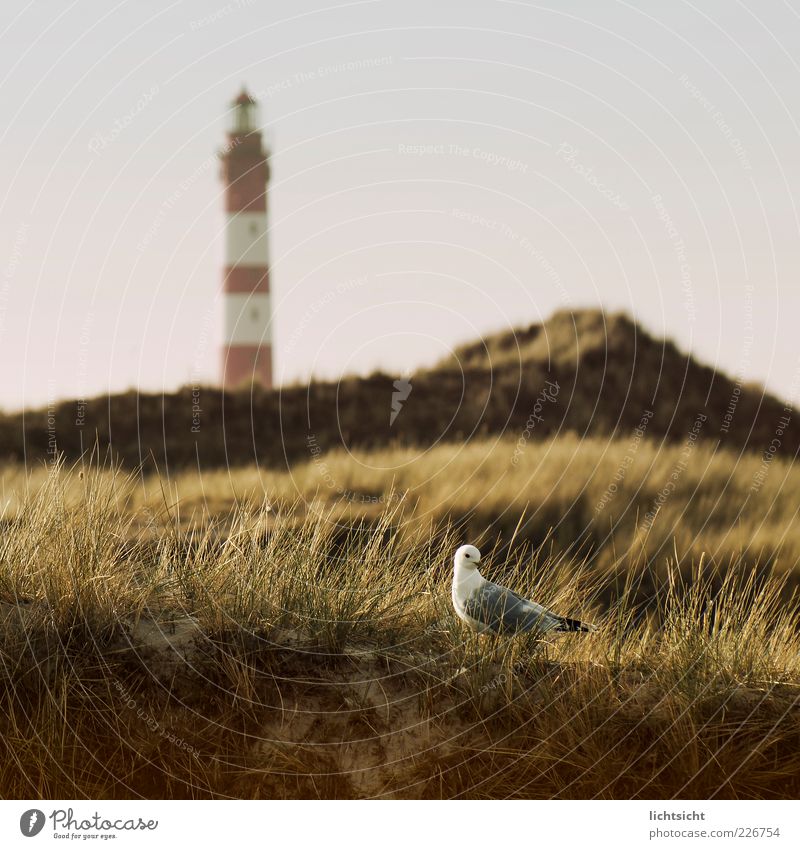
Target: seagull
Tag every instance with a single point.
(485, 606)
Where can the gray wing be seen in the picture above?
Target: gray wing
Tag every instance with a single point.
(501, 609)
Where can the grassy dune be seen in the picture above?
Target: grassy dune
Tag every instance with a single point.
(605, 372)
(156, 641)
(595, 498)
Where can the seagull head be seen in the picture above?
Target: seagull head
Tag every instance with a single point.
(467, 557)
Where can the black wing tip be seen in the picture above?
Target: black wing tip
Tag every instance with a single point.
(574, 625)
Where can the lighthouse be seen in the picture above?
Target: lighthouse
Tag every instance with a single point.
(247, 343)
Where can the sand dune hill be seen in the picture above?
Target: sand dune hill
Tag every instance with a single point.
(585, 372)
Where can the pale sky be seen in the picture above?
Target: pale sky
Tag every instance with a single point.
(440, 170)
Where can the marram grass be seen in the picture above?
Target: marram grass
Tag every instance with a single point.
(281, 651)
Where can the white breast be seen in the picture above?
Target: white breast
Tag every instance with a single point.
(466, 582)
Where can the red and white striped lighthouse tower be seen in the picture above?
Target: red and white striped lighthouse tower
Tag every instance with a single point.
(247, 345)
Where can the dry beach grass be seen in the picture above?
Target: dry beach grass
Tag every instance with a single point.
(250, 640)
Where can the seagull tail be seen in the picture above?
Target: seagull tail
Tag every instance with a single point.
(566, 624)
